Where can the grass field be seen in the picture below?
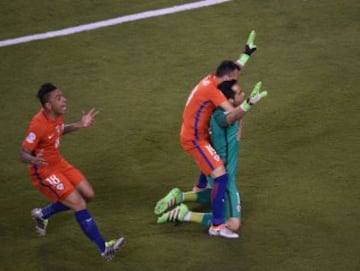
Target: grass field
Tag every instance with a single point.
(298, 172)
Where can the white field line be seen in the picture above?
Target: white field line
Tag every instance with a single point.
(110, 22)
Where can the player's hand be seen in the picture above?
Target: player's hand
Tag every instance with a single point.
(255, 96)
(249, 49)
(38, 160)
(88, 118)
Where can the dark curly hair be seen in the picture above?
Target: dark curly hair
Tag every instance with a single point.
(44, 91)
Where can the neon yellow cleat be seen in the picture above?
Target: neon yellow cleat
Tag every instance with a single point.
(173, 198)
(175, 215)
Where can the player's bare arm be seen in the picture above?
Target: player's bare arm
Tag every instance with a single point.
(27, 157)
(232, 113)
(87, 119)
(227, 106)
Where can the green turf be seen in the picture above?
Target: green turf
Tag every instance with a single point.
(298, 174)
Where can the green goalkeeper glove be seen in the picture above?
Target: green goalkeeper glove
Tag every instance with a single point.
(249, 48)
(255, 96)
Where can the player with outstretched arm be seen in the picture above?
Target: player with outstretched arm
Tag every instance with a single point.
(194, 135)
(62, 183)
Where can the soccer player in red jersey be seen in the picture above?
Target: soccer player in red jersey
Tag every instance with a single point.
(194, 135)
(52, 175)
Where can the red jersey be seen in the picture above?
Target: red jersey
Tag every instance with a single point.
(200, 105)
(43, 135)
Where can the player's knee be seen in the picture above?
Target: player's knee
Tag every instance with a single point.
(75, 201)
(89, 196)
(86, 190)
(80, 204)
(217, 172)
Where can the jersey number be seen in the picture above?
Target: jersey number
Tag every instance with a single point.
(53, 180)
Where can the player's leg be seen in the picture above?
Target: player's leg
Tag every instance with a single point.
(210, 163)
(176, 196)
(218, 193)
(232, 208)
(42, 214)
(77, 201)
(182, 213)
(86, 190)
(233, 223)
(173, 198)
(50, 184)
(218, 227)
(78, 180)
(201, 184)
(200, 218)
(62, 187)
(54, 180)
(202, 196)
(88, 225)
(175, 215)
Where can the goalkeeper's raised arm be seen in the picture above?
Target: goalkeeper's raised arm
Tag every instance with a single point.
(255, 96)
(249, 49)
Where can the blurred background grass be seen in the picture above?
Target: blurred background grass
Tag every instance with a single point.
(298, 173)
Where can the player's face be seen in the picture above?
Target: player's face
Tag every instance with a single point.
(239, 95)
(57, 102)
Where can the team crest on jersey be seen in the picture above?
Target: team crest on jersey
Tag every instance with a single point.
(30, 138)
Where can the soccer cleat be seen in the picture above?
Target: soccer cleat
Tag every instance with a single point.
(222, 230)
(175, 215)
(174, 197)
(111, 247)
(40, 222)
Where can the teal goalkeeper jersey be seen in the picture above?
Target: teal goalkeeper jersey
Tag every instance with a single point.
(223, 139)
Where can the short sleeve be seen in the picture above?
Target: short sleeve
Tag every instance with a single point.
(33, 136)
(217, 96)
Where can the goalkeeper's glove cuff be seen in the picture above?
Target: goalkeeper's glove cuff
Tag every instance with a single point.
(245, 106)
(243, 59)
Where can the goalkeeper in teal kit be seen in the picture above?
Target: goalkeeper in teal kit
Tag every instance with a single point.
(225, 137)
